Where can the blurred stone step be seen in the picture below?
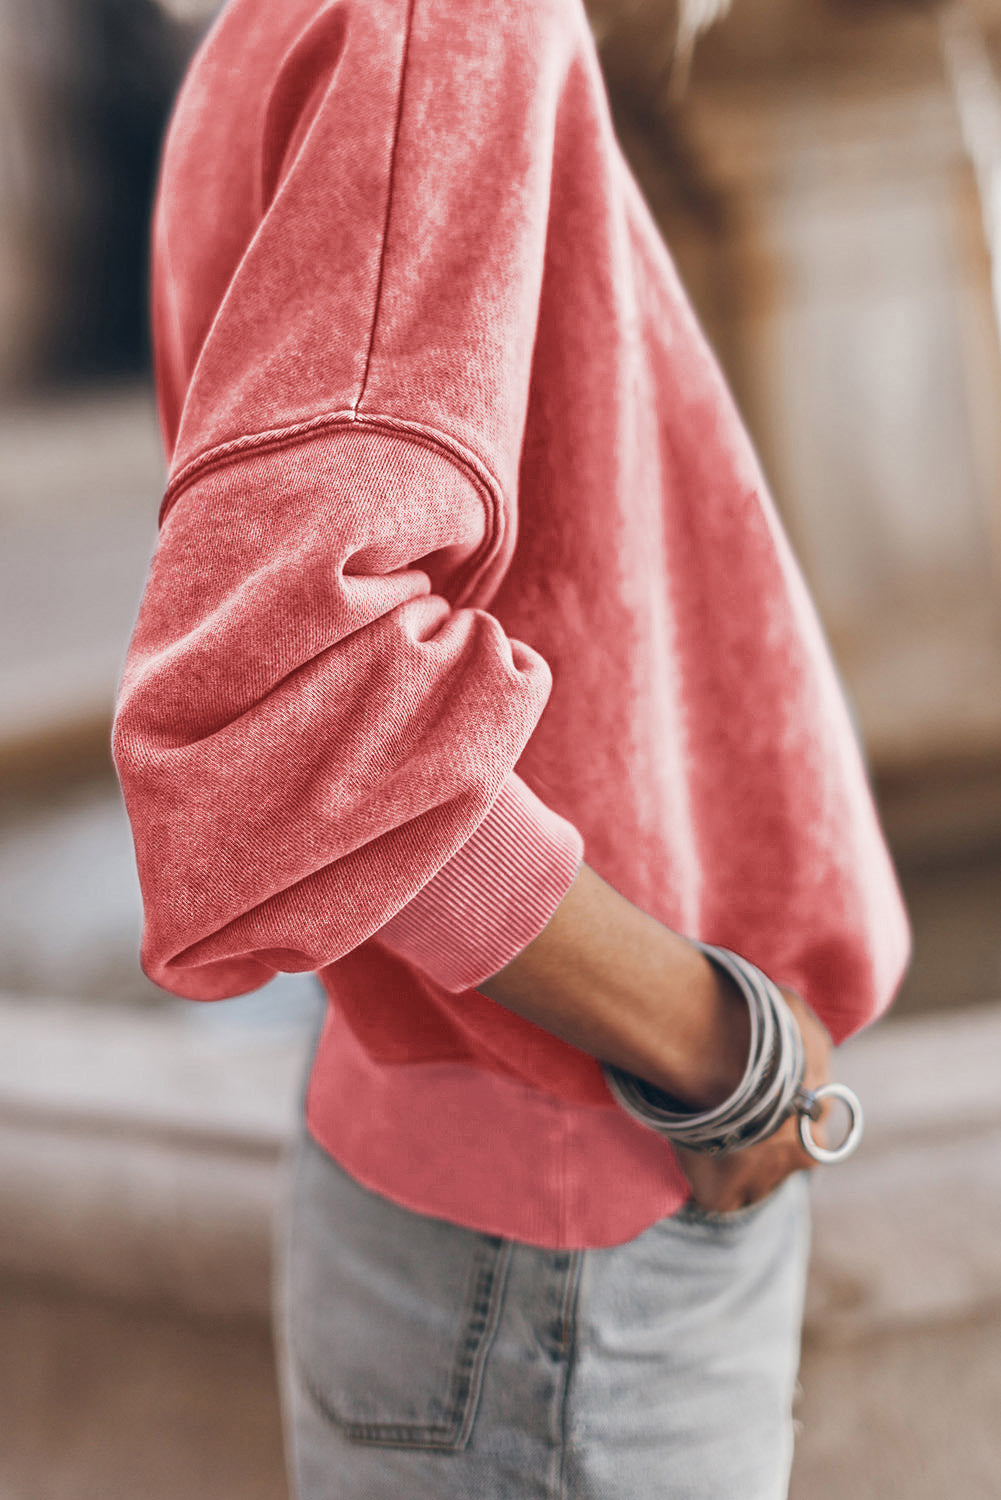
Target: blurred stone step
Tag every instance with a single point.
(908, 1234)
(104, 1400)
(80, 481)
(140, 1152)
(140, 1157)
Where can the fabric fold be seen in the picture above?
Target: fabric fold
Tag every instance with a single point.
(307, 732)
(466, 569)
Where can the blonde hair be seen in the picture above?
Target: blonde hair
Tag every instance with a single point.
(190, 12)
(698, 15)
(694, 17)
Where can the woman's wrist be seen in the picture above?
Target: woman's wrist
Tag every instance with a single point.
(718, 1056)
(609, 978)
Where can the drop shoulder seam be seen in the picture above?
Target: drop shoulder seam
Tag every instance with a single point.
(394, 150)
(272, 440)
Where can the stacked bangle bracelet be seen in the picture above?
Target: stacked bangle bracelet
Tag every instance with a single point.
(770, 1090)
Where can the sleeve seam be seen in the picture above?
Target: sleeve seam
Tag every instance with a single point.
(389, 203)
(272, 440)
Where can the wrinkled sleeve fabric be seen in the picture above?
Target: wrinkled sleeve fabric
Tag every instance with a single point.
(315, 747)
(318, 721)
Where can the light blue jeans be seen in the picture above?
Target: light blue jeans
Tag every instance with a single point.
(424, 1361)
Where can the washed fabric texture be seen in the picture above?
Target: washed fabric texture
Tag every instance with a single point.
(466, 571)
(423, 1359)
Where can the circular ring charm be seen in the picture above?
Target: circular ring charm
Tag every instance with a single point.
(808, 1104)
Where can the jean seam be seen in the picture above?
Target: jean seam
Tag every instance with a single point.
(481, 1329)
(568, 1341)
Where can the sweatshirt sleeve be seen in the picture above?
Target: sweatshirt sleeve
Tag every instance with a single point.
(315, 740)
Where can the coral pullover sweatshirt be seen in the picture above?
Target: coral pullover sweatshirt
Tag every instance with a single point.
(466, 570)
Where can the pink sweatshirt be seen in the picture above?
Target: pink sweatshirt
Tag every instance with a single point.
(466, 570)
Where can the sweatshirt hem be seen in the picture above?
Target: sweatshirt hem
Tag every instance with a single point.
(477, 1148)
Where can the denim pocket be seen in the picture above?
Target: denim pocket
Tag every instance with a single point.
(391, 1314)
(693, 1213)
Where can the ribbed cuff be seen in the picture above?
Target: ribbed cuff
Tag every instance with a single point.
(493, 896)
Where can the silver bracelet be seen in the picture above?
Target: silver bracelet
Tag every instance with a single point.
(770, 1090)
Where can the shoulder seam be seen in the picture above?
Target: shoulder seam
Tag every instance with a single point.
(389, 203)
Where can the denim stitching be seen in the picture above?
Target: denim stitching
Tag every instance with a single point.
(480, 1336)
(484, 1303)
(568, 1342)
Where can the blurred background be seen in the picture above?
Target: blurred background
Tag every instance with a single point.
(827, 174)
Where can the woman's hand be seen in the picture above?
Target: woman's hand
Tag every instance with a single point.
(611, 980)
(723, 1184)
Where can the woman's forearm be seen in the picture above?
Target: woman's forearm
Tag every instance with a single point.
(612, 980)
